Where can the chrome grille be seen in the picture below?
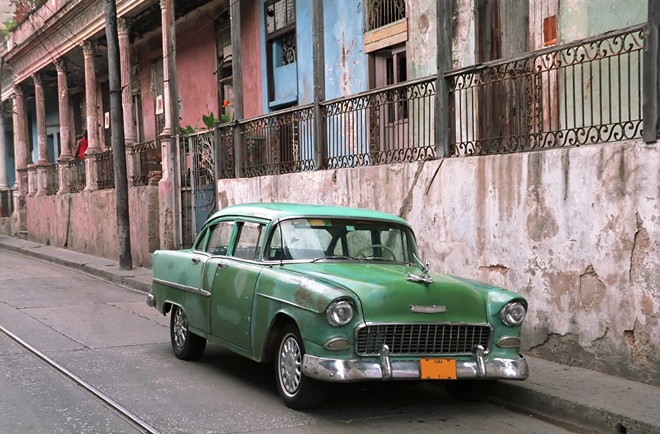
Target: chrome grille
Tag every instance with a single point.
(422, 339)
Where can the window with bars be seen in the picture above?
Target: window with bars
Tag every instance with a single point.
(281, 46)
(379, 13)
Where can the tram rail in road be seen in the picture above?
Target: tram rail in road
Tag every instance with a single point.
(116, 408)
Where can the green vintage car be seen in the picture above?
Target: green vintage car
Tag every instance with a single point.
(334, 294)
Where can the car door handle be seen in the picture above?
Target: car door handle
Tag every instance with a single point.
(195, 260)
(222, 265)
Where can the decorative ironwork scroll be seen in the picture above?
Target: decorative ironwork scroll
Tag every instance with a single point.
(586, 92)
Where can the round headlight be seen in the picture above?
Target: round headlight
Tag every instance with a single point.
(339, 313)
(513, 313)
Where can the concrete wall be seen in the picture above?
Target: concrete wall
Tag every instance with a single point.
(576, 231)
(87, 222)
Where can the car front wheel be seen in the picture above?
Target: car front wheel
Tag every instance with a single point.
(298, 391)
(186, 345)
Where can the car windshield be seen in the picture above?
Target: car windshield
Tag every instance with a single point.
(341, 239)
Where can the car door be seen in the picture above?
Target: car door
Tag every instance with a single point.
(212, 252)
(234, 286)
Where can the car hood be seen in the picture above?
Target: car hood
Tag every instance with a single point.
(386, 295)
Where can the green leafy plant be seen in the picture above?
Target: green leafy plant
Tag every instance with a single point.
(210, 120)
(188, 129)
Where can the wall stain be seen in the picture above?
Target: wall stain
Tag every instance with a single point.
(407, 203)
(592, 289)
(498, 268)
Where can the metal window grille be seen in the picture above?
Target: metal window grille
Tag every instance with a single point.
(379, 13)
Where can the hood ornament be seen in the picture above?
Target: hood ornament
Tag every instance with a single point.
(424, 268)
(428, 309)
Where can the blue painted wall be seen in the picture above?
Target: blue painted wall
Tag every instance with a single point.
(52, 121)
(9, 151)
(345, 61)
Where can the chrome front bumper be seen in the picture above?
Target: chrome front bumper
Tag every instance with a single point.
(337, 370)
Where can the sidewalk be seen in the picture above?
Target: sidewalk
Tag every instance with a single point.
(583, 399)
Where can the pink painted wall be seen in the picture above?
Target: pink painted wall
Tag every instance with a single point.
(147, 95)
(196, 62)
(251, 52)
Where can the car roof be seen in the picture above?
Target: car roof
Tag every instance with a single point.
(280, 210)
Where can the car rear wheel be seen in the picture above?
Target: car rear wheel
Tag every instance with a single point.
(297, 391)
(470, 390)
(186, 345)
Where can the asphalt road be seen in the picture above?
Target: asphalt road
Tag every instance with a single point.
(108, 336)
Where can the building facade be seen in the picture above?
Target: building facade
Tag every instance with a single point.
(519, 138)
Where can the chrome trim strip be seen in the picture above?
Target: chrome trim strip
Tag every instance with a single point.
(338, 370)
(428, 309)
(270, 297)
(181, 287)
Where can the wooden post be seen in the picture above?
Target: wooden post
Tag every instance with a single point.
(117, 137)
(651, 75)
(237, 74)
(444, 125)
(320, 147)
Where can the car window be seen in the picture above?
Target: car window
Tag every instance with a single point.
(219, 238)
(247, 245)
(316, 238)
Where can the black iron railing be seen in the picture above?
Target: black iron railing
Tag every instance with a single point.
(106, 169)
(379, 13)
(52, 179)
(147, 158)
(283, 143)
(388, 125)
(580, 93)
(585, 92)
(77, 175)
(226, 151)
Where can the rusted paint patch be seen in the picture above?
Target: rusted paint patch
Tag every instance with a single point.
(592, 289)
(498, 268)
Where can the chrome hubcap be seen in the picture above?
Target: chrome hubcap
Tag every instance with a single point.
(180, 328)
(290, 365)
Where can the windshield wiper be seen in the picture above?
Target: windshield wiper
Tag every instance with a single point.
(344, 258)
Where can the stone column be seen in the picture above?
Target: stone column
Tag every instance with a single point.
(40, 104)
(4, 182)
(167, 188)
(21, 161)
(91, 166)
(167, 130)
(42, 142)
(91, 106)
(130, 137)
(20, 141)
(127, 92)
(63, 98)
(65, 170)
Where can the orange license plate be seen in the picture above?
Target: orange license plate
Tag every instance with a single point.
(437, 369)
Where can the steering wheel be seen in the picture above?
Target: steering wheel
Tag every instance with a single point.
(360, 252)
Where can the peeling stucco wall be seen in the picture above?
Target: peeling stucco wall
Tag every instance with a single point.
(576, 231)
(87, 222)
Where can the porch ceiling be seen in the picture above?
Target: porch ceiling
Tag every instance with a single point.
(150, 17)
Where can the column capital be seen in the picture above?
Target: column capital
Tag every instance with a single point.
(163, 4)
(60, 65)
(88, 48)
(123, 26)
(18, 90)
(36, 77)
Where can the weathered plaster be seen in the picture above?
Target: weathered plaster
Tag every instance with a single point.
(87, 222)
(575, 230)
